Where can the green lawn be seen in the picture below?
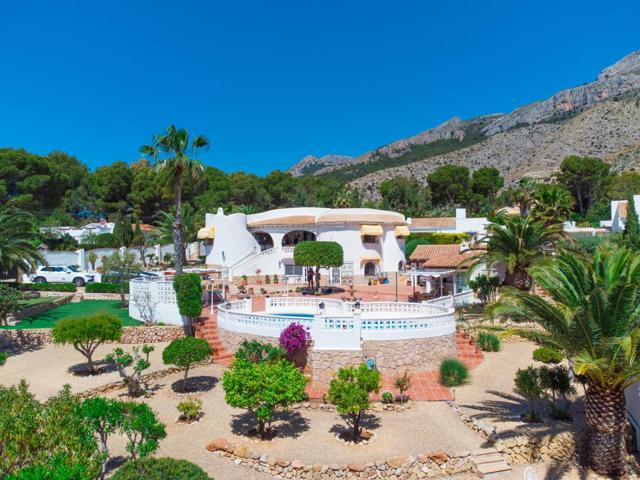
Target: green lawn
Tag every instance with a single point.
(85, 307)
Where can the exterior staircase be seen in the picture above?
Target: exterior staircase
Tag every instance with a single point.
(468, 351)
(489, 463)
(209, 331)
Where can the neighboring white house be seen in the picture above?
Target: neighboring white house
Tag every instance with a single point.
(619, 214)
(81, 234)
(263, 243)
(475, 226)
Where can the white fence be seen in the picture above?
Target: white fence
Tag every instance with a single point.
(339, 325)
(153, 301)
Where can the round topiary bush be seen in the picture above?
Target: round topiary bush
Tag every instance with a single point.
(453, 372)
(160, 469)
(547, 355)
(386, 397)
(488, 342)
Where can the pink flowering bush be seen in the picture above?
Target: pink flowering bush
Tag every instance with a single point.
(293, 339)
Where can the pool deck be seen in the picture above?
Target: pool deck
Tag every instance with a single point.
(425, 385)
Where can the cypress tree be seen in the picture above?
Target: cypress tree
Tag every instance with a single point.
(122, 231)
(631, 232)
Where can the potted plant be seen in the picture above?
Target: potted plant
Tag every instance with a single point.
(275, 280)
(258, 281)
(267, 279)
(245, 280)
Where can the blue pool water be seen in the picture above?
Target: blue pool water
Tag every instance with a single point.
(295, 315)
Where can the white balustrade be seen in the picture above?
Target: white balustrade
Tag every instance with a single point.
(158, 298)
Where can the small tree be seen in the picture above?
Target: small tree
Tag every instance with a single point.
(92, 257)
(189, 296)
(318, 254)
(403, 383)
(139, 241)
(142, 428)
(146, 305)
(122, 266)
(349, 392)
(105, 416)
(185, 352)
(262, 387)
(9, 298)
(485, 288)
(528, 385)
(631, 233)
(86, 334)
(122, 360)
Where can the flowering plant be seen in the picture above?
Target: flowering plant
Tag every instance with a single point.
(293, 338)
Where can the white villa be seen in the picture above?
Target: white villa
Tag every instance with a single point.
(263, 243)
(80, 234)
(474, 226)
(619, 214)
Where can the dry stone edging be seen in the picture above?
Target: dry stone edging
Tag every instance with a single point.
(425, 465)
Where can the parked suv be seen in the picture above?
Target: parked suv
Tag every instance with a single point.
(60, 274)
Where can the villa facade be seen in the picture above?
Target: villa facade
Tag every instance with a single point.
(474, 226)
(263, 244)
(619, 209)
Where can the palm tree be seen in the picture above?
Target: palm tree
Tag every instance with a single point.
(523, 194)
(593, 316)
(517, 243)
(552, 204)
(173, 152)
(164, 226)
(18, 242)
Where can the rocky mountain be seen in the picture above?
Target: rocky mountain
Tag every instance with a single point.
(312, 164)
(600, 118)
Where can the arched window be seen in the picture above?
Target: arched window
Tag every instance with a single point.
(264, 240)
(369, 269)
(294, 237)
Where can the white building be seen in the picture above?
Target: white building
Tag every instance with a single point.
(80, 234)
(619, 214)
(475, 226)
(263, 243)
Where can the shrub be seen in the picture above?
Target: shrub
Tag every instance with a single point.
(86, 334)
(262, 387)
(453, 372)
(386, 397)
(488, 342)
(293, 339)
(142, 429)
(189, 296)
(3, 358)
(547, 355)
(403, 383)
(557, 385)
(185, 352)
(257, 352)
(48, 287)
(38, 438)
(9, 298)
(105, 287)
(160, 469)
(349, 392)
(528, 385)
(104, 415)
(122, 360)
(190, 408)
(485, 287)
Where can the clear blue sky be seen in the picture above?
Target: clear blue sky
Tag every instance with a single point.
(270, 82)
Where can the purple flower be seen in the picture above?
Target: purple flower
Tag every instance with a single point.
(293, 338)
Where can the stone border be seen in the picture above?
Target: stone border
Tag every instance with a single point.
(40, 308)
(429, 464)
(522, 448)
(35, 337)
(376, 407)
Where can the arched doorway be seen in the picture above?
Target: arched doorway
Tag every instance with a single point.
(264, 240)
(294, 237)
(369, 269)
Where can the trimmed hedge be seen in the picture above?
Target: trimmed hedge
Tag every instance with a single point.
(160, 469)
(105, 287)
(48, 287)
(547, 355)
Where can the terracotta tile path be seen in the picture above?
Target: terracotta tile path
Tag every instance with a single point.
(424, 385)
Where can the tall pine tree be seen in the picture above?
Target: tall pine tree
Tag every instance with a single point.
(631, 232)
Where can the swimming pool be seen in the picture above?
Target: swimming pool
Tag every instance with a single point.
(295, 315)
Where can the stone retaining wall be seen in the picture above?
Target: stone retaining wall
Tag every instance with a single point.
(415, 354)
(424, 465)
(102, 296)
(35, 337)
(324, 363)
(41, 307)
(232, 340)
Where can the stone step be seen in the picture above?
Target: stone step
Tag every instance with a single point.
(487, 458)
(483, 451)
(488, 470)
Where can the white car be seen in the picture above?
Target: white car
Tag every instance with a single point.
(60, 274)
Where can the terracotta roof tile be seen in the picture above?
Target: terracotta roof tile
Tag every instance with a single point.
(433, 222)
(369, 218)
(443, 256)
(290, 220)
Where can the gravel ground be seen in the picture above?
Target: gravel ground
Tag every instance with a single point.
(46, 369)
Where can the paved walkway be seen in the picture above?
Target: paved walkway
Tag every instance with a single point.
(425, 385)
